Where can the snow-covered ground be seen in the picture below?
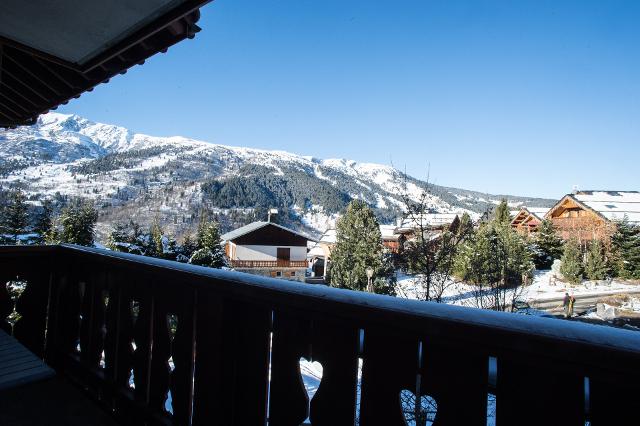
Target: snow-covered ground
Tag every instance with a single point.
(545, 286)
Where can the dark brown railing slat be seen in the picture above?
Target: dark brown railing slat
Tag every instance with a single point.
(335, 346)
(390, 365)
(546, 392)
(454, 374)
(183, 352)
(32, 307)
(288, 401)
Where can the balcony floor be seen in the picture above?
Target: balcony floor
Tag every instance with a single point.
(50, 402)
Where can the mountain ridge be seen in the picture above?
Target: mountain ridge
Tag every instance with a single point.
(132, 174)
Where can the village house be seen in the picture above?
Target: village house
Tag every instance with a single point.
(589, 215)
(393, 237)
(528, 219)
(269, 249)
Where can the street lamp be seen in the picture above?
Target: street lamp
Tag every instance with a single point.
(369, 271)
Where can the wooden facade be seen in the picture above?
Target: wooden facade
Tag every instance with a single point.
(527, 220)
(574, 219)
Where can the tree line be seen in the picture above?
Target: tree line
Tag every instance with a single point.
(203, 248)
(25, 223)
(490, 254)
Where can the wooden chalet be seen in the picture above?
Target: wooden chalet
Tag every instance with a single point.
(589, 215)
(527, 219)
(266, 248)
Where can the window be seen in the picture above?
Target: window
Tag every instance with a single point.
(293, 273)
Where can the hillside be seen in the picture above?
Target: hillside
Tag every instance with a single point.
(137, 176)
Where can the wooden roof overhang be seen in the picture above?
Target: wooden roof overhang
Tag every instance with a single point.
(520, 217)
(569, 198)
(51, 52)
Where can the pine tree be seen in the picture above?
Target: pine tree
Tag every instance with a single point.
(497, 260)
(15, 217)
(595, 267)
(210, 251)
(502, 214)
(78, 223)
(358, 247)
(44, 221)
(626, 250)
(156, 233)
(571, 268)
(547, 245)
(189, 246)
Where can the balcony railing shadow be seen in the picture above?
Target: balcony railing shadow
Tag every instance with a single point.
(133, 331)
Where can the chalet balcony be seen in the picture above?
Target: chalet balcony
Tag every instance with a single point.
(131, 333)
(269, 263)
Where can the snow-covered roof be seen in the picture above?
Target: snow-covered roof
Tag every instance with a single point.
(329, 236)
(429, 219)
(538, 212)
(254, 226)
(388, 232)
(613, 205)
(316, 251)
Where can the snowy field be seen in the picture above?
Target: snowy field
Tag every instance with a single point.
(545, 286)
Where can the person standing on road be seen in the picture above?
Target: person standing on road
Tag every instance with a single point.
(572, 300)
(565, 304)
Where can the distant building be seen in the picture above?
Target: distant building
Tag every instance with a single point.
(393, 238)
(269, 249)
(588, 215)
(528, 219)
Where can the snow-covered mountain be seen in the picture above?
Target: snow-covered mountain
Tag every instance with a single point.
(132, 175)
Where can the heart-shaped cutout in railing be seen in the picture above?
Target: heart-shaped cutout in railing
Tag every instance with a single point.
(311, 373)
(418, 414)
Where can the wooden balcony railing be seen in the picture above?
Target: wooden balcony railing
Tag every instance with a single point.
(236, 339)
(269, 263)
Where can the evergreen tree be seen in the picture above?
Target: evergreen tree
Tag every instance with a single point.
(595, 267)
(189, 246)
(502, 215)
(127, 238)
(157, 246)
(571, 268)
(547, 245)
(496, 259)
(44, 221)
(626, 250)
(15, 217)
(358, 247)
(78, 221)
(210, 251)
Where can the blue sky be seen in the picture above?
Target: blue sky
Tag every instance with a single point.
(526, 98)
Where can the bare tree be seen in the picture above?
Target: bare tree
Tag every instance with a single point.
(430, 253)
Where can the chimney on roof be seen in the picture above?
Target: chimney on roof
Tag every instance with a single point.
(271, 211)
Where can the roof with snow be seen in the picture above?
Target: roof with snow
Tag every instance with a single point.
(254, 226)
(429, 220)
(49, 55)
(329, 236)
(538, 212)
(612, 205)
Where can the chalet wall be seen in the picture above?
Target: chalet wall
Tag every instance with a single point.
(263, 252)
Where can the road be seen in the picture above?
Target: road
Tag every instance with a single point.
(583, 302)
